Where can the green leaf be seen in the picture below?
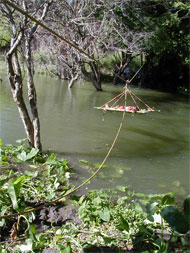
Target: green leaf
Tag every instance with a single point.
(175, 219)
(97, 165)
(12, 194)
(121, 188)
(3, 211)
(25, 157)
(66, 249)
(185, 241)
(32, 232)
(150, 218)
(97, 200)
(18, 184)
(138, 208)
(124, 225)
(151, 208)
(21, 141)
(105, 214)
(143, 230)
(81, 199)
(33, 153)
(1, 143)
(107, 240)
(168, 199)
(186, 206)
(84, 161)
(31, 173)
(51, 195)
(22, 156)
(2, 182)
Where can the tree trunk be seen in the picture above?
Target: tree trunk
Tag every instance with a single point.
(32, 95)
(30, 82)
(15, 80)
(94, 76)
(73, 79)
(19, 28)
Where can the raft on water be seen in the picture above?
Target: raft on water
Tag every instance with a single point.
(122, 108)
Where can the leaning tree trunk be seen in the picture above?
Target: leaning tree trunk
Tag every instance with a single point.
(18, 30)
(94, 76)
(15, 80)
(30, 82)
(32, 95)
(74, 77)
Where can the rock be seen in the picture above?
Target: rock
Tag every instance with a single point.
(57, 215)
(50, 250)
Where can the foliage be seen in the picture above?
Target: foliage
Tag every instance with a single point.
(132, 221)
(178, 221)
(167, 50)
(42, 179)
(109, 62)
(156, 29)
(4, 34)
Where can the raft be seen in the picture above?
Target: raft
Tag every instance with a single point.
(119, 109)
(115, 104)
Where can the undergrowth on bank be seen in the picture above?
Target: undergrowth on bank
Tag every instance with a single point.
(120, 219)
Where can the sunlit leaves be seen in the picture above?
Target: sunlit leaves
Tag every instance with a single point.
(12, 194)
(104, 214)
(29, 183)
(14, 187)
(121, 188)
(106, 218)
(27, 156)
(95, 208)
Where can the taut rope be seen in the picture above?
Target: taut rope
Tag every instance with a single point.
(113, 143)
(81, 185)
(78, 187)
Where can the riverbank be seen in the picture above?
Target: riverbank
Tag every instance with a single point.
(36, 217)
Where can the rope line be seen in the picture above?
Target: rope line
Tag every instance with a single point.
(118, 99)
(117, 133)
(119, 96)
(113, 98)
(131, 93)
(142, 101)
(113, 143)
(134, 100)
(81, 185)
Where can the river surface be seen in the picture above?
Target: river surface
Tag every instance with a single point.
(151, 154)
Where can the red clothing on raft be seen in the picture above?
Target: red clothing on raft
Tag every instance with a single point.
(127, 108)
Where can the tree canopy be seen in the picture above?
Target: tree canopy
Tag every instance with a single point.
(157, 30)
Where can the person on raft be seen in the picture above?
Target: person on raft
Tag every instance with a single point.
(128, 108)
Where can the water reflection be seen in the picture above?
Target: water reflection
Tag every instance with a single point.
(150, 155)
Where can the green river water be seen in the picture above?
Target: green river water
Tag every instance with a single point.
(151, 154)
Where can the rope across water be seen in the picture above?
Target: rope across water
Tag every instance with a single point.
(116, 136)
(125, 92)
(78, 187)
